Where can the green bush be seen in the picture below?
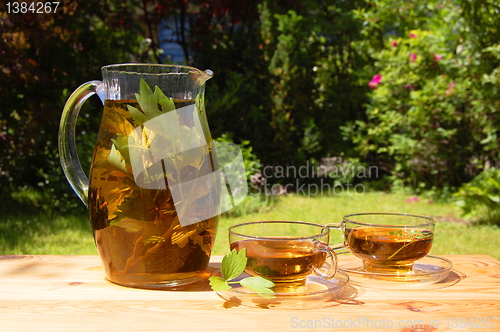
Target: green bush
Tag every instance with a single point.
(252, 162)
(413, 84)
(480, 198)
(432, 120)
(44, 58)
(258, 201)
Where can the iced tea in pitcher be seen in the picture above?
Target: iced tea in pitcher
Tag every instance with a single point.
(137, 228)
(153, 191)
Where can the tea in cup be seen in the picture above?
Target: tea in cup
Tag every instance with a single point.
(387, 242)
(285, 252)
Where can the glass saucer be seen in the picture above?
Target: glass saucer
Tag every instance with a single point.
(316, 293)
(430, 270)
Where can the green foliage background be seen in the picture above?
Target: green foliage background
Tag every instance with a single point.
(44, 57)
(433, 120)
(291, 81)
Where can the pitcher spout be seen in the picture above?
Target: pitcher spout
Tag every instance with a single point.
(200, 77)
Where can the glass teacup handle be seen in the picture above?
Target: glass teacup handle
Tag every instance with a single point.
(67, 144)
(339, 248)
(329, 268)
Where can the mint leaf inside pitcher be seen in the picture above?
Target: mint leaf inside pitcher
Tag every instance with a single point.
(152, 104)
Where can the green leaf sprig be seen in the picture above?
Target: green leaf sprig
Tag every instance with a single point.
(152, 104)
(411, 235)
(233, 264)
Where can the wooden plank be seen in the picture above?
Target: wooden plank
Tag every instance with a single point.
(69, 293)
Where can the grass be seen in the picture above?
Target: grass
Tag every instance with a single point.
(29, 231)
(39, 233)
(453, 235)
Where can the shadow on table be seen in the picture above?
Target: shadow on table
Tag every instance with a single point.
(347, 296)
(453, 278)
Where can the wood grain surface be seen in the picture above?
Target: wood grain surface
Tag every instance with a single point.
(69, 293)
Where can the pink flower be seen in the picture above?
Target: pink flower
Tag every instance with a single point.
(412, 199)
(375, 81)
(413, 57)
(409, 87)
(412, 35)
(437, 57)
(449, 91)
(394, 43)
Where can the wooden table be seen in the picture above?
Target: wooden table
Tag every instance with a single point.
(69, 293)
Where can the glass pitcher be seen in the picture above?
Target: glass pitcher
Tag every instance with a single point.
(152, 192)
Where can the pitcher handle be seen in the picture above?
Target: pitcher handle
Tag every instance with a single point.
(67, 143)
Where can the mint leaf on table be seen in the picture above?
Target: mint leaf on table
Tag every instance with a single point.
(259, 285)
(233, 264)
(219, 284)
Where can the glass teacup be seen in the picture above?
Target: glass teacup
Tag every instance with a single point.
(387, 242)
(286, 252)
